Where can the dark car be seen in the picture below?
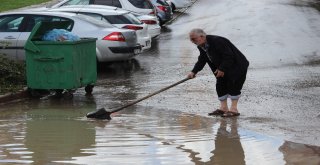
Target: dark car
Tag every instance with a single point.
(164, 12)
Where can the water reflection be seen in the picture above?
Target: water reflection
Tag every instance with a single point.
(295, 153)
(148, 135)
(228, 148)
(52, 138)
(42, 131)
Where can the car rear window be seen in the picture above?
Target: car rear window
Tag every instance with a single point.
(142, 4)
(76, 2)
(162, 2)
(115, 3)
(122, 19)
(96, 22)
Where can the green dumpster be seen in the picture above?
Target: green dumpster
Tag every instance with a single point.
(59, 65)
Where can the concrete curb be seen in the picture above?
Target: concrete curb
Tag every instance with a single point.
(14, 96)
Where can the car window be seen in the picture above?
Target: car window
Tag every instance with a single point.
(76, 2)
(115, 3)
(34, 19)
(162, 2)
(94, 15)
(142, 4)
(122, 19)
(10, 23)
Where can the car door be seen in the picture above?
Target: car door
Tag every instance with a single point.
(10, 31)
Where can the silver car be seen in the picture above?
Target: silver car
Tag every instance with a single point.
(113, 44)
(164, 11)
(138, 6)
(119, 18)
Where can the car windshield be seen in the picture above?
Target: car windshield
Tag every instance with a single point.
(142, 4)
(122, 19)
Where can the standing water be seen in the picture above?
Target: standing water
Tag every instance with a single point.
(62, 135)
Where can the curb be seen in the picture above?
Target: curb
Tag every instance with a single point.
(14, 96)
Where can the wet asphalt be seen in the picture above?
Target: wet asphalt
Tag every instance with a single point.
(281, 93)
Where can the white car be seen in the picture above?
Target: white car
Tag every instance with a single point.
(138, 6)
(154, 28)
(119, 18)
(113, 44)
(179, 4)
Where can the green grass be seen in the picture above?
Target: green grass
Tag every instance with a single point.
(15, 4)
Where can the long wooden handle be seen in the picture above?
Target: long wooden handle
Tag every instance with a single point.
(152, 94)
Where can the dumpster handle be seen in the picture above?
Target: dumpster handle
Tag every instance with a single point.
(49, 59)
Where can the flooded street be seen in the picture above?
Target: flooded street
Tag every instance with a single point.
(279, 121)
(60, 134)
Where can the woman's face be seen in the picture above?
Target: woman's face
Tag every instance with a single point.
(197, 39)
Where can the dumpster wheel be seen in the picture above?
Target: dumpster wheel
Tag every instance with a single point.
(68, 94)
(89, 89)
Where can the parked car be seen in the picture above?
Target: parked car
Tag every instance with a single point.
(152, 21)
(154, 28)
(119, 18)
(138, 6)
(164, 11)
(179, 4)
(113, 44)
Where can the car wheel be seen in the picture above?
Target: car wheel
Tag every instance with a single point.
(160, 21)
(173, 7)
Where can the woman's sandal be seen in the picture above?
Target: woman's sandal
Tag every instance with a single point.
(217, 112)
(230, 114)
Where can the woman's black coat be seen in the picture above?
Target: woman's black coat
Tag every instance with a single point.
(224, 56)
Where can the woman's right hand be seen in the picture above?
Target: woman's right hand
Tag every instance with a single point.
(191, 75)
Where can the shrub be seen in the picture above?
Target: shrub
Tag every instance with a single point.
(12, 75)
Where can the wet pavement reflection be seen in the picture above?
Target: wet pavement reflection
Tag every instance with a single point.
(62, 135)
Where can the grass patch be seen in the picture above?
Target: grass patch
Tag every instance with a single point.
(15, 4)
(12, 75)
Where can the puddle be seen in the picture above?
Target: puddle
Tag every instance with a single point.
(138, 134)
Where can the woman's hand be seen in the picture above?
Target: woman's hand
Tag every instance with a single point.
(218, 73)
(191, 75)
